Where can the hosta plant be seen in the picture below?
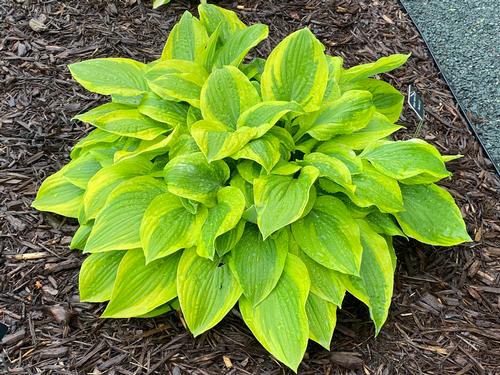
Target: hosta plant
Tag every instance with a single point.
(212, 180)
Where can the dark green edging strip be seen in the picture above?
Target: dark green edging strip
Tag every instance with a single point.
(460, 106)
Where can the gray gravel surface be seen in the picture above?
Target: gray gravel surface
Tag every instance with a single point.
(464, 36)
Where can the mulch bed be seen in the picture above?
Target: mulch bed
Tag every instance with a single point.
(445, 313)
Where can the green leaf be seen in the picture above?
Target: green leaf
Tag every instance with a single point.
(94, 138)
(117, 225)
(227, 241)
(191, 176)
(108, 76)
(403, 160)
(431, 216)
(280, 321)
(97, 276)
(168, 227)
(58, 195)
(147, 150)
(331, 168)
(107, 179)
(161, 310)
(335, 69)
(382, 65)
(383, 224)
(139, 287)
(80, 170)
(80, 237)
(379, 127)
(91, 117)
(281, 200)
(296, 70)
(239, 44)
(254, 69)
(159, 3)
(212, 17)
(257, 264)
(325, 282)
(322, 317)
(186, 40)
(330, 236)
(207, 291)
(342, 152)
(221, 218)
(166, 111)
(264, 151)
(226, 94)
(375, 283)
(351, 112)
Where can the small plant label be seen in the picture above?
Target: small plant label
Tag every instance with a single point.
(3, 330)
(416, 103)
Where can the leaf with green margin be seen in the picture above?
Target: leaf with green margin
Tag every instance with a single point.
(234, 50)
(98, 274)
(280, 322)
(281, 200)
(80, 237)
(209, 54)
(257, 264)
(322, 318)
(383, 224)
(58, 195)
(342, 152)
(330, 236)
(296, 70)
(107, 179)
(227, 241)
(351, 112)
(325, 282)
(221, 218)
(335, 69)
(375, 283)
(168, 227)
(264, 150)
(166, 111)
(226, 94)
(108, 76)
(139, 287)
(331, 168)
(206, 291)
(117, 225)
(403, 160)
(212, 17)
(379, 127)
(191, 176)
(186, 40)
(431, 216)
(386, 99)
(382, 65)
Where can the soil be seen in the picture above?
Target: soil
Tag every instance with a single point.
(445, 313)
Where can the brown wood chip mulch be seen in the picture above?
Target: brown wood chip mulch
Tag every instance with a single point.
(445, 313)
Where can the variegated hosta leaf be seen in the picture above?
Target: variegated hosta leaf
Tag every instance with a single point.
(335, 69)
(296, 70)
(322, 318)
(343, 153)
(213, 17)
(280, 321)
(80, 237)
(165, 111)
(257, 263)
(382, 65)
(206, 290)
(139, 287)
(431, 216)
(331, 168)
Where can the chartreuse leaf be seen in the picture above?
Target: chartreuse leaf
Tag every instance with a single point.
(322, 318)
(108, 76)
(431, 216)
(280, 321)
(107, 179)
(383, 224)
(254, 68)
(117, 225)
(206, 291)
(213, 17)
(379, 127)
(186, 40)
(264, 151)
(146, 150)
(80, 237)
(95, 137)
(296, 70)
(257, 264)
(139, 287)
(166, 111)
(239, 43)
(404, 160)
(80, 170)
(376, 277)
(221, 218)
(91, 116)
(191, 176)
(325, 282)
(351, 112)
(386, 99)
(227, 241)
(159, 3)
(281, 200)
(167, 226)
(58, 195)
(332, 91)
(330, 236)
(343, 153)
(162, 309)
(97, 276)
(331, 168)
(177, 80)
(382, 65)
